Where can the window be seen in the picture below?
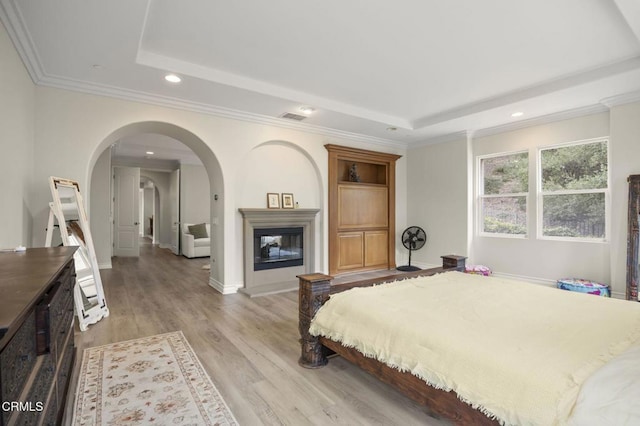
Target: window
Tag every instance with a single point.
(504, 188)
(573, 182)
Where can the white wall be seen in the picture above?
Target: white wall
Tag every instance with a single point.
(17, 115)
(437, 200)
(625, 157)
(280, 167)
(100, 212)
(46, 131)
(532, 257)
(74, 128)
(437, 189)
(195, 198)
(402, 203)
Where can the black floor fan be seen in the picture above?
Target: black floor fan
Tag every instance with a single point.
(413, 238)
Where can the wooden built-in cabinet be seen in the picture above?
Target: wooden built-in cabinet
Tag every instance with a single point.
(37, 350)
(361, 209)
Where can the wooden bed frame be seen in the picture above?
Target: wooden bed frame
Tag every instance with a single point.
(315, 290)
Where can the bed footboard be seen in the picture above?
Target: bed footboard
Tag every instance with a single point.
(314, 291)
(316, 288)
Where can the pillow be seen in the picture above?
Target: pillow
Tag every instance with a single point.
(198, 231)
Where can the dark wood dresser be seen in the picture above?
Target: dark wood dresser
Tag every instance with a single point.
(37, 351)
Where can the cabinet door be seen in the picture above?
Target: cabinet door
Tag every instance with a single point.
(350, 250)
(362, 207)
(376, 252)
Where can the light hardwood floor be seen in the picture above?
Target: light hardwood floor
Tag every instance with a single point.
(249, 346)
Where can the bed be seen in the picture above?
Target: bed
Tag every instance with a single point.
(537, 369)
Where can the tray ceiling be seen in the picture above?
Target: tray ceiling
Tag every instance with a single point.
(431, 69)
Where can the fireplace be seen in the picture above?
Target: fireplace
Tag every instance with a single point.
(277, 248)
(279, 244)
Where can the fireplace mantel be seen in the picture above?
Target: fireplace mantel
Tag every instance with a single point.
(275, 216)
(257, 283)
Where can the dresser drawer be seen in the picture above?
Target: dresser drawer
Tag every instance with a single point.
(51, 314)
(59, 337)
(50, 417)
(44, 379)
(65, 371)
(39, 392)
(16, 361)
(67, 276)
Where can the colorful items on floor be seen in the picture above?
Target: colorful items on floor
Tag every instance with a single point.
(478, 270)
(584, 286)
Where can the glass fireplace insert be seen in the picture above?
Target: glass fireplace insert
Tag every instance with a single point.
(277, 248)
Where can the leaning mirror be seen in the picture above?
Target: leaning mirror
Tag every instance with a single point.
(68, 210)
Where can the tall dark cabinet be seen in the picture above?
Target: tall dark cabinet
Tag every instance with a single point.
(37, 350)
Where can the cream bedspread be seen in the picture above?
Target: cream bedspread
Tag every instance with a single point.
(516, 351)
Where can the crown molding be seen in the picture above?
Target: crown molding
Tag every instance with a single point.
(14, 24)
(543, 119)
(450, 137)
(525, 93)
(626, 98)
(168, 102)
(162, 62)
(503, 128)
(604, 106)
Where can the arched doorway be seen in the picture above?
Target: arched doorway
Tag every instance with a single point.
(99, 196)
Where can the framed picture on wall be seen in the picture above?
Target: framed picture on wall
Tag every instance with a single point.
(273, 200)
(287, 201)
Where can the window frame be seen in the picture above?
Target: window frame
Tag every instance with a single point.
(481, 196)
(540, 194)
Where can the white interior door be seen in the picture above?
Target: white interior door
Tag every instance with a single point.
(174, 201)
(126, 216)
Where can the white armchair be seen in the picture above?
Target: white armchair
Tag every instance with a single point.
(195, 247)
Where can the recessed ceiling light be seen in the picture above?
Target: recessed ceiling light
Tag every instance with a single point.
(517, 114)
(307, 109)
(172, 78)
(150, 152)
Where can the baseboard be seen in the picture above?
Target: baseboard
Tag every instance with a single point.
(220, 287)
(534, 280)
(423, 265)
(618, 295)
(267, 289)
(167, 246)
(106, 265)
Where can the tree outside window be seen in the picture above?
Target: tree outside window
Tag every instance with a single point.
(504, 194)
(574, 182)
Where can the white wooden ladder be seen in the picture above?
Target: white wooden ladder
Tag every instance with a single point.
(68, 209)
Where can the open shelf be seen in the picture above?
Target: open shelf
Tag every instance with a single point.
(366, 172)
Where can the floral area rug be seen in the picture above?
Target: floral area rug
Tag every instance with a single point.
(153, 380)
